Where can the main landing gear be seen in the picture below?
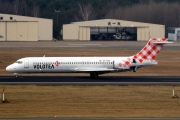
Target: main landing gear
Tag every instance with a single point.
(94, 75)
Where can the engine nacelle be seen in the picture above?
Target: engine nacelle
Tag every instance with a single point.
(132, 64)
(122, 64)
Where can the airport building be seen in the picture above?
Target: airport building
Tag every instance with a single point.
(22, 28)
(112, 29)
(174, 33)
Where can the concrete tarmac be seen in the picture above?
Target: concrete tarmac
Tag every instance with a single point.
(86, 80)
(133, 45)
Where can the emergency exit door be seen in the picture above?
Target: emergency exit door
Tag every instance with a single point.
(26, 63)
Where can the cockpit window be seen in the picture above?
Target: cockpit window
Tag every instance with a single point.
(19, 62)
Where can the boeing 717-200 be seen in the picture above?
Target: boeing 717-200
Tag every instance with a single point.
(92, 65)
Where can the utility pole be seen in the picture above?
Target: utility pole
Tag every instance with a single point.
(57, 11)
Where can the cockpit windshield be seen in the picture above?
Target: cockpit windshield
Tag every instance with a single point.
(19, 62)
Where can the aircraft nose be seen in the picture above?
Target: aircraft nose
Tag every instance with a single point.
(9, 68)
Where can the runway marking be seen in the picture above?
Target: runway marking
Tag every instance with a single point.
(38, 46)
(70, 46)
(84, 44)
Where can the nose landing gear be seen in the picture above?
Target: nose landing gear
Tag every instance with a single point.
(16, 75)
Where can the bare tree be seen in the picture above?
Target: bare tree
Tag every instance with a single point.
(23, 8)
(16, 6)
(158, 13)
(86, 12)
(1, 6)
(5, 7)
(35, 11)
(113, 6)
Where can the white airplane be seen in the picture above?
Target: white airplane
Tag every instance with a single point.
(93, 65)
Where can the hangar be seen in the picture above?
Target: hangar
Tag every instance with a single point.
(112, 29)
(22, 28)
(174, 33)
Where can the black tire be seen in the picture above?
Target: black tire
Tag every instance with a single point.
(94, 75)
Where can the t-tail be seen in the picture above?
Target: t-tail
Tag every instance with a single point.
(147, 55)
(151, 50)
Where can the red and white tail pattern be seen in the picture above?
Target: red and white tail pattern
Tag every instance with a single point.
(151, 50)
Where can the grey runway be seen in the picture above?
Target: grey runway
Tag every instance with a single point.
(133, 45)
(86, 80)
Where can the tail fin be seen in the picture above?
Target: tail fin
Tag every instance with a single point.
(151, 50)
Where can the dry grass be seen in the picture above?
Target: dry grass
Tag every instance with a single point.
(169, 60)
(90, 101)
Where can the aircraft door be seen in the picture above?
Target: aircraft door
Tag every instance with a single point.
(26, 63)
(113, 65)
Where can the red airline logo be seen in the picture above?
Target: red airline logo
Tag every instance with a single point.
(57, 63)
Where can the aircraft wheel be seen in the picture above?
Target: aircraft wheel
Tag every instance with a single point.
(94, 75)
(16, 75)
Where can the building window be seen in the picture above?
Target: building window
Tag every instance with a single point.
(119, 23)
(171, 30)
(109, 23)
(11, 18)
(1, 18)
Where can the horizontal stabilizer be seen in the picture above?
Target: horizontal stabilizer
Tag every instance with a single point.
(165, 42)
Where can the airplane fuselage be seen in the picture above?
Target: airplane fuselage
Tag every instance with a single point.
(66, 64)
